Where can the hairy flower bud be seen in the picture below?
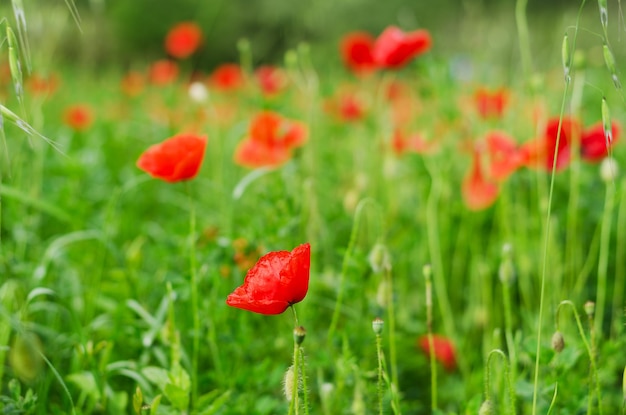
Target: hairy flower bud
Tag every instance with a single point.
(558, 342)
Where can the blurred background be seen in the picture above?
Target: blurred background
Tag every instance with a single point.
(128, 32)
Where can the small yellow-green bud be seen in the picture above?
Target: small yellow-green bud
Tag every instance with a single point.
(379, 258)
(377, 326)
(299, 333)
(558, 342)
(288, 383)
(609, 169)
(506, 272)
(427, 271)
(566, 57)
(590, 308)
(487, 408)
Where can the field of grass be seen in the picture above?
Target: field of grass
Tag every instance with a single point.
(438, 213)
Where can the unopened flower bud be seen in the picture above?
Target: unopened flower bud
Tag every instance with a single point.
(558, 342)
(609, 169)
(288, 383)
(427, 271)
(299, 333)
(198, 92)
(506, 272)
(590, 308)
(377, 326)
(379, 258)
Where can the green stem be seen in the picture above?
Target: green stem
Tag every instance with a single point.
(603, 260)
(588, 347)
(510, 343)
(379, 354)
(344, 267)
(524, 38)
(620, 268)
(431, 341)
(391, 318)
(194, 297)
(507, 376)
(305, 391)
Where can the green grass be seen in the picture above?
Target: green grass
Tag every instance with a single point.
(101, 271)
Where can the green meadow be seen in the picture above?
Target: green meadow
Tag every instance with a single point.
(457, 178)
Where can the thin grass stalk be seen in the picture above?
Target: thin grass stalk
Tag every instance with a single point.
(523, 37)
(588, 348)
(548, 223)
(193, 281)
(427, 271)
(377, 326)
(345, 264)
(391, 318)
(434, 247)
(603, 260)
(620, 266)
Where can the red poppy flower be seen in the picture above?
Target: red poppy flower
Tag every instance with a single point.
(163, 72)
(594, 144)
(42, 85)
(346, 106)
(78, 117)
(357, 52)
(175, 159)
(443, 349)
(414, 143)
(478, 192)
(394, 48)
(491, 104)
(270, 140)
(541, 151)
(183, 39)
(227, 77)
(271, 79)
(278, 280)
(504, 156)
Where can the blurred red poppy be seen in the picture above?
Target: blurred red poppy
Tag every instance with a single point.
(541, 152)
(504, 156)
(271, 79)
(183, 40)
(42, 85)
(346, 106)
(478, 192)
(270, 140)
(357, 52)
(78, 117)
(163, 72)
(279, 279)
(443, 349)
(394, 48)
(594, 144)
(176, 159)
(227, 77)
(491, 104)
(413, 143)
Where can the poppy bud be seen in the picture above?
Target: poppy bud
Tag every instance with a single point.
(558, 342)
(566, 57)
(486, 408)
(609, 59)
(606, 123)
(506, 272)
(590, 308)
(604, 14)
(379, 258)
(609, 169)
(299, 333)
(377, 326)
(198, 92)
(288, 383)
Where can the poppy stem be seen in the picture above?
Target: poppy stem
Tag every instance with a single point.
(295, 316)
(194, 297)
